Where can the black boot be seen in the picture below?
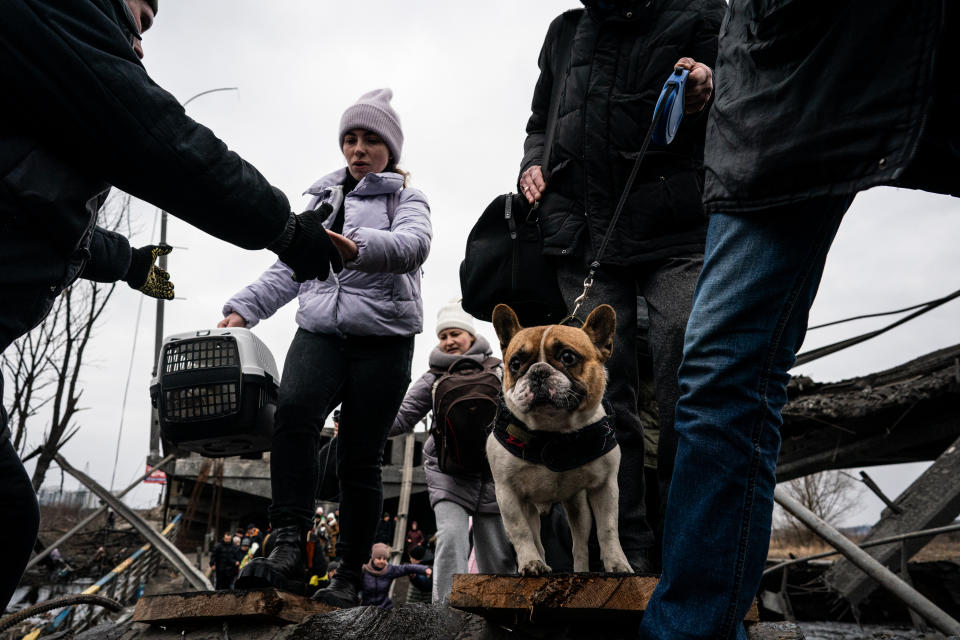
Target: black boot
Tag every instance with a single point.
(343, 590)
(284, 568)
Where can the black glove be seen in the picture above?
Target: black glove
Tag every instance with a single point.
(309, 250)
(146, 277)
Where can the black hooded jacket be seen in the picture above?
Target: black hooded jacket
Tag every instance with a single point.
(78, 113)
(820, 98)
(619, 61)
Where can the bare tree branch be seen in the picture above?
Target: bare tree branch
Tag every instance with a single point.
(829, 494)
(46, 366)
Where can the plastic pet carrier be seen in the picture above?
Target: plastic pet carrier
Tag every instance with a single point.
(215, 391)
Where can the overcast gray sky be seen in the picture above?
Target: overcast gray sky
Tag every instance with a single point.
(462, 75)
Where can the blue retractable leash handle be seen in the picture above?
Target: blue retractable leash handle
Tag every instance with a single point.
(670, 107)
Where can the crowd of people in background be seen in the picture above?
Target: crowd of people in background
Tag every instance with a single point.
(236, 549)
(233, 553)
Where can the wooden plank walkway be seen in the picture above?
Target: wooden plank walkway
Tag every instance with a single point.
(273, 615)
(557, 598)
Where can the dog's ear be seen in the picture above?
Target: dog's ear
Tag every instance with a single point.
(506, 324)
(600, 326)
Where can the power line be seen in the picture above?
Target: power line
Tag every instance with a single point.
(813, 354)
(868, 315)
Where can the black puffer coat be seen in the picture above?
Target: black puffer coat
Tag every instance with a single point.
(618, 64)
(828, 98)
(79, 113)
(224, 558)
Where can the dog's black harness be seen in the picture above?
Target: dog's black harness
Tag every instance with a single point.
(556, 451)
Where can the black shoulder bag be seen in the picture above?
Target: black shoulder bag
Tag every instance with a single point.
(504, 261)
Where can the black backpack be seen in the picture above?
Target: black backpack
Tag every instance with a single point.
(464, 405)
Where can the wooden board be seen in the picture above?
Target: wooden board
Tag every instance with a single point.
(267, 604)
(559, 597)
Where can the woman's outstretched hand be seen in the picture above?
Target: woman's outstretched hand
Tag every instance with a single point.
(232, 320)
(346, 247)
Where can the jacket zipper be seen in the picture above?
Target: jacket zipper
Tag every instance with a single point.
(926, 111)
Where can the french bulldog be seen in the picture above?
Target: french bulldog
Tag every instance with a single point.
(552, 441)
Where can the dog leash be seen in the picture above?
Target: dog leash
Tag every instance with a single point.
(666, 120)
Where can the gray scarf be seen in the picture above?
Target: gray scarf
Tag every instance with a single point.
(479, 352)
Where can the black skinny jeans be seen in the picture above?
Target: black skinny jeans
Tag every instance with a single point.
(369, 375)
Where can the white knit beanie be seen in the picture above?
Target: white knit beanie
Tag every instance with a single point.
(452, 316)
(372, 111)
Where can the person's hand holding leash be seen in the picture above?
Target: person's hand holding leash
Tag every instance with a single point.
(699, 85)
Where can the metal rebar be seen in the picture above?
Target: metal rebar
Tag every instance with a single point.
(56, 603)
(173, 555)
(873, 486)
(93, 516)
(869, 565)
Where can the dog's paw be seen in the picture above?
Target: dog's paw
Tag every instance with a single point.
(535, 567)
(618, 566)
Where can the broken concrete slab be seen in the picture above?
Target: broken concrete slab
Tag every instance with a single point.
(261, 605)
(421, 621)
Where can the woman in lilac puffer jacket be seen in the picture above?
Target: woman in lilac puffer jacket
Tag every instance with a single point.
(353, 348)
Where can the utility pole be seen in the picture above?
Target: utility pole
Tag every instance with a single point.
(154, 454)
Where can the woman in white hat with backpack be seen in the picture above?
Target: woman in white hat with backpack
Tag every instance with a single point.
(458, 495)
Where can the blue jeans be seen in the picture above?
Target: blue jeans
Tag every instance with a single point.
(749, 317)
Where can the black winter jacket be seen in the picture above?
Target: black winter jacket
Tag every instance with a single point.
(79, 113)
(617, 67)
(822, 98)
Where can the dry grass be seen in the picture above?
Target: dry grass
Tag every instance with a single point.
(783, 544)
(940, 548)
(782, 551)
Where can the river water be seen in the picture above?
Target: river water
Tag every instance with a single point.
(845, 631)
